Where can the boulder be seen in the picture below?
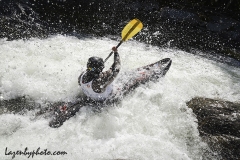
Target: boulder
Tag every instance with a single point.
(180, 16)
(219, 125)
(19, 105)
(221, 23)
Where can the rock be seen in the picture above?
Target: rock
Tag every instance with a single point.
(19, 20)
(219, 125)
(180, 16)
(232, 35)
(218, 24)
(224, 145)
(232, 53)
(19, 105)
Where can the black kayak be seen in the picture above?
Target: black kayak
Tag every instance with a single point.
(127, 81)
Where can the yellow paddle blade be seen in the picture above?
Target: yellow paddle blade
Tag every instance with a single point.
(132, 28)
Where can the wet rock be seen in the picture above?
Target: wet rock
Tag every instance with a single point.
(219, 125)
(231, 53)
(220, 23)
(232, 35)
(19, 20)
(180, 16)
(19, 105)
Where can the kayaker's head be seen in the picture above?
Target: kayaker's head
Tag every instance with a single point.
(95, 65)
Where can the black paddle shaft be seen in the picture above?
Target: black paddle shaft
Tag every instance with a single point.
(112, 51)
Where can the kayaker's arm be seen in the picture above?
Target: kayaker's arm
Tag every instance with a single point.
(116, 66)
(79, 78)
(108, 76)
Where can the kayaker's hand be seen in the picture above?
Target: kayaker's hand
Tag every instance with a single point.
(114, 49)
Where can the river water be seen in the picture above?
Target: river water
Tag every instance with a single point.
(152, 122)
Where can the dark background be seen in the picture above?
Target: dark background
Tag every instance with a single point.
(207, 25)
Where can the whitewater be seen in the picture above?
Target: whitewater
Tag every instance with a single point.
(152, 122)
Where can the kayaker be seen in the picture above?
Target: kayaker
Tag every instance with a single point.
(97, 85)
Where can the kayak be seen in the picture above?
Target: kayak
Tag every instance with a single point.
(125, 82)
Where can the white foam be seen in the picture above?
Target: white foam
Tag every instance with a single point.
(153, 122)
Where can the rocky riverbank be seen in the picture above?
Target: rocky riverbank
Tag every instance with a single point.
(219, 125)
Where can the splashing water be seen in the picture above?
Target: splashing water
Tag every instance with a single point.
(152, 122)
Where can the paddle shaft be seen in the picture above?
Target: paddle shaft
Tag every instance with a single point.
(132, 28)
(112, 51)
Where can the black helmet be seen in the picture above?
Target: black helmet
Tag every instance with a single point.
(95, 64)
